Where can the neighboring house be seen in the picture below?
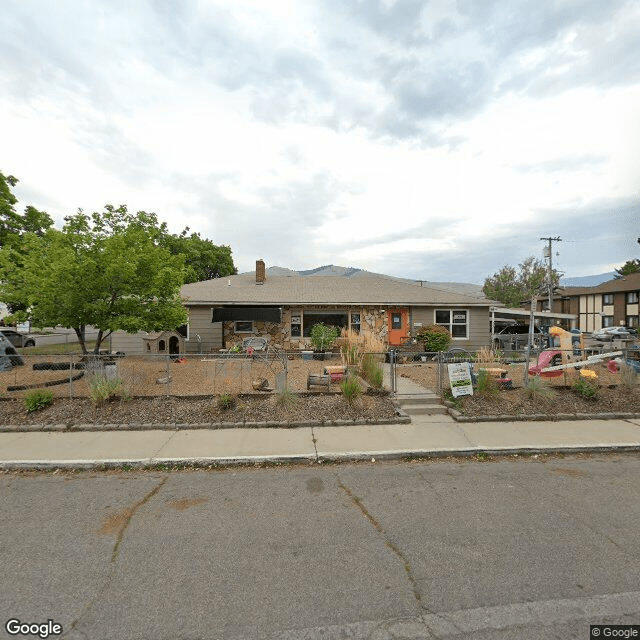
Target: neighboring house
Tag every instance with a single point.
(612, 303)
(223, 311)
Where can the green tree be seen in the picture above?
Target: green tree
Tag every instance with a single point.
(13, 224)
(514, 285)
(107, 270)
(630, 266)
(204, 260)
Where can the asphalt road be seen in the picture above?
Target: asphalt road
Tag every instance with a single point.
(517, 548)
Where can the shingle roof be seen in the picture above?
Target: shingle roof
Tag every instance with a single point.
(626, 283)
(297, 290)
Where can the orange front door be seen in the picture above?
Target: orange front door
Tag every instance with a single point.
(398, 326)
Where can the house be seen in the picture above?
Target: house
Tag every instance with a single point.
(284, 307)
(612, 303)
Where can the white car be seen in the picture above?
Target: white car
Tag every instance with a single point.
(611, 333)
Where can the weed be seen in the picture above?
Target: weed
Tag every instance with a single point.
(286, 398)
(586, 388)
(37, 400)
(103, 389)
(449, 397)
(628, 376)
(371, 370)
(487, 385)
(226, 401)
(537, 389)
(351, 388)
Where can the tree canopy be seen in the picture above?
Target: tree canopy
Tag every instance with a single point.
(514, 285)
(107, 270)
(13, 224)
(112, 269)
(204, 260)
(630, 266)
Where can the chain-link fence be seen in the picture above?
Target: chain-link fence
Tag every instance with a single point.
(514, 369)
(78, 376)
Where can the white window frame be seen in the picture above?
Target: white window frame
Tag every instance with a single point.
(451, 323)
(235, 326)
(298, 314)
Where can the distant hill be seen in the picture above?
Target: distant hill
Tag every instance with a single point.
(587, 281)
(463, 288)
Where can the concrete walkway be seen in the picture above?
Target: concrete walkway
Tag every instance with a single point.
(427, 435)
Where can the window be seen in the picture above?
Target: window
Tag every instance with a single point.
(607, 321)
(183, 330)
(632, 297)
(161, 346)
(455, 320)
(633, 321)
(355, 322)
(296, 326)
(396, 320)
(243, 326)
(607, 298)
(331, 318)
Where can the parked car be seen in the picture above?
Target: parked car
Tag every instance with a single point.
(611, 333)
(18, 339)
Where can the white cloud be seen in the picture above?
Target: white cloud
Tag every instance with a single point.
(389, 135)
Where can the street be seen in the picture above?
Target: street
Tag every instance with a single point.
(519, 547)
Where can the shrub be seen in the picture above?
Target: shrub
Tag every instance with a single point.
(37, 400)
(323, 336)
(586, 388)
(371, 370)
(286, 398)
(434, 338)
(537, 389)
(351, 388)
(103, 389)
(226, 401)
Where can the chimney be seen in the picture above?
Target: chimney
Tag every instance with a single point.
(260, 272)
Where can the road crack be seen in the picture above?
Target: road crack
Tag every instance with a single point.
(126, 519)
(130, 513)
(408, 569)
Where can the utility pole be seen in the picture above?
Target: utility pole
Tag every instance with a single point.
(548, 253)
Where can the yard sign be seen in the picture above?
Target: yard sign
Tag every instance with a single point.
(460, 379)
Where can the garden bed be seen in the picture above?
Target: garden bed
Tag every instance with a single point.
(254, 409)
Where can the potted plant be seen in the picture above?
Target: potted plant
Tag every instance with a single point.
(322, 338)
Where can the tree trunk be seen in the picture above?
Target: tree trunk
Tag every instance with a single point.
(80, 333)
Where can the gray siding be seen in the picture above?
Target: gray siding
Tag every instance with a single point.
(200, 325)
(478, 325)
(129, 343)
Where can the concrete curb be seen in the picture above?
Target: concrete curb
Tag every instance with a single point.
(400, 418)
(165, 464)
(539, 417)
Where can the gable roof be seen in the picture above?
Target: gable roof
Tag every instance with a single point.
(630, 282)
(374, 289)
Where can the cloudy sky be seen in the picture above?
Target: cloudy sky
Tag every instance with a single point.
(435, 139)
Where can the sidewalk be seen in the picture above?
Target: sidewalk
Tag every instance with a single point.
(437, 435)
